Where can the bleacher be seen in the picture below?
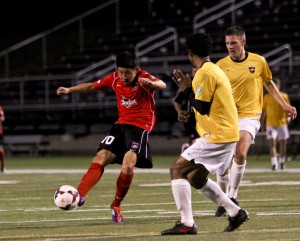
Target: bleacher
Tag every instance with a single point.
(28, 92)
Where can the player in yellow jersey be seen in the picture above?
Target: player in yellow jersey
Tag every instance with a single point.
(217, 123)
(248, 74)
(275, 121)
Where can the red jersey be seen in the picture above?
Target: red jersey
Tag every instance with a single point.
(136, 104)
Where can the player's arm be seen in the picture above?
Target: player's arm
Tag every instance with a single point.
(273, 90)
(81, 88)
(158, 84)
(2, 116)
(202, 107)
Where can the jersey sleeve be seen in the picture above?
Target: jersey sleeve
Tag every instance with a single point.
(204, 86)
(105, 82)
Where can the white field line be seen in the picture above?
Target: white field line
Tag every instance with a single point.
(137, 170)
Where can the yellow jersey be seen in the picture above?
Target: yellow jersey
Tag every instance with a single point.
(220, 125)
(246, 79)
(276, 116)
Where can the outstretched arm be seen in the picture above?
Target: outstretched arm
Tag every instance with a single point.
(158, 85)
(81, 88)
(273, 90)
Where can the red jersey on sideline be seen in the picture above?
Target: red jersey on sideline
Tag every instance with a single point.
(136, 104)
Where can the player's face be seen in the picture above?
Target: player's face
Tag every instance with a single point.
(235, 46)
(127, 75)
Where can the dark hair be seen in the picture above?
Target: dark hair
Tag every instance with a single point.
(235, 30)
(126, 59)
(199, 44)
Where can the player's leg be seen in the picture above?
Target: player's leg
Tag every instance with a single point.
(272, 134)
(273, 153)
(123, 184)
(181, 190)
(94, 173)
(223, 182)
(239, 163)
(283, 135)
(2, 159)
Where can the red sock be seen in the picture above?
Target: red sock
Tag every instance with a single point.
(90, 179)
(123, 184)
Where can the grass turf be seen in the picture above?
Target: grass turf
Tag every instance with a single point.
(27, 210)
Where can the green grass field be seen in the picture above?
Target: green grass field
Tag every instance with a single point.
(27, 210)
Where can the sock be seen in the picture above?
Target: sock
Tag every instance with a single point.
(123, 184)
(213, 192)
(281, 160)
(223, 182)
(236, 175)
(90, 179)
(2, 157)
(182, 194)
(274, 161)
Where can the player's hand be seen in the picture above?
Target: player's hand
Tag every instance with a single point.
(292, 112)
(183, 116)
(181, 80)
(62, 91)
(146, 82)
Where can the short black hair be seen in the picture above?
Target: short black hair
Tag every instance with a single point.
(126, 59)
(199, 44)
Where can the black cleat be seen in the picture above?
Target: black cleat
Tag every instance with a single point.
(282, 166)
(180, 228)
(234, 201)
(236, 221)
(221, 212)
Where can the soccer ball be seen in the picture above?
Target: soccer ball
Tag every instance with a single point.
(66, 197)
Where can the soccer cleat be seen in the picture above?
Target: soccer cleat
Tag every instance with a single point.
(116, 214)
(81, 201)
(234, 201)
(274, 168)
(282, 166)
(180, 228)
(221, 212)
(237, 220)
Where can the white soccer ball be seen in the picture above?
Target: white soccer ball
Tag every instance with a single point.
(66, 197)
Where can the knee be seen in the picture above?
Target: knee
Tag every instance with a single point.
(240, 158)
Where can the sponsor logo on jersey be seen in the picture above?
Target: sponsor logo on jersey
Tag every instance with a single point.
(128, 103)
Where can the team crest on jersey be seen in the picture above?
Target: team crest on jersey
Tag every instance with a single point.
(252, 69)
(128, 103)
(198, 90)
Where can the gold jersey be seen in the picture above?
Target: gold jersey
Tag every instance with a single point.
(246, 79)
(276, 116)
(220, 125)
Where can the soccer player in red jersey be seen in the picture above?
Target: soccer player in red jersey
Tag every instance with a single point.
(2, 151)
(127, 141)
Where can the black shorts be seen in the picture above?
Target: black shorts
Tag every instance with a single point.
(122, 138)
(1, 140)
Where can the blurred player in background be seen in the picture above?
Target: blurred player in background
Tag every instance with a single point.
(248, 74)
(275, 121)
(127, 141)
(186, 114)
(2, 151)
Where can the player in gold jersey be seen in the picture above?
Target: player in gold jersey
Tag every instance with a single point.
(217, 124)
(275, 121)
(248, 74)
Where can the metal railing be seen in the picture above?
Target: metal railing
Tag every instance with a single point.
(43, 36)
(229, 5)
